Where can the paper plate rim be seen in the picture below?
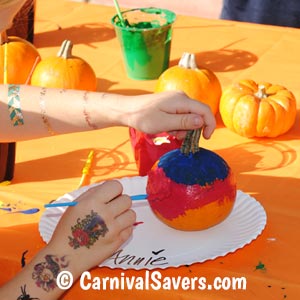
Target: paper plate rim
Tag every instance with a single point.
(47, 225)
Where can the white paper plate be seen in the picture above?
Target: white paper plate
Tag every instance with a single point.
(155, 245)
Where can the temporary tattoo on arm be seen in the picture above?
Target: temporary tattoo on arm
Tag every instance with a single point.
(43, 111)
(87, 231)
(86, 114)
(14, 105)
(24, 295)
(45, 273)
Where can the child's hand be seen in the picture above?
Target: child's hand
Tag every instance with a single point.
(95, 228)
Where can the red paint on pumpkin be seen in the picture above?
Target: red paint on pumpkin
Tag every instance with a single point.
(190, 207)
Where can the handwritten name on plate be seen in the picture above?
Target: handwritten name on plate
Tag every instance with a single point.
(155, 259)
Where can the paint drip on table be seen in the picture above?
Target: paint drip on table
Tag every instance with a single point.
(17, 208)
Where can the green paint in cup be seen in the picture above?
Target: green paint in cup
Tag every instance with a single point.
(145, 41)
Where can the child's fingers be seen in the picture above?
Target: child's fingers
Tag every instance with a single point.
(118, 205)
(126, 219)
(125, 234)
(104, 192)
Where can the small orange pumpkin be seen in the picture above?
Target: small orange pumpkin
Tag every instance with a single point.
(258, 109)
(65, 71)
(17, 59)
(198, 83)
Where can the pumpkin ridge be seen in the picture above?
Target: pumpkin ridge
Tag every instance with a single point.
(244, 117)
(266, 118)
(280, 114)
(286, 106)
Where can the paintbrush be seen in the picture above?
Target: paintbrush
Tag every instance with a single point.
(74, 203)
(86, 169)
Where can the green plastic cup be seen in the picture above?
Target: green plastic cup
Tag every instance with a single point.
(145, 41)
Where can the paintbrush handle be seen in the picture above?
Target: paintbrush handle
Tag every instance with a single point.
(74, 203)
(60, 204)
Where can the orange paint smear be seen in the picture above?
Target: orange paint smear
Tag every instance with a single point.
(201, 218)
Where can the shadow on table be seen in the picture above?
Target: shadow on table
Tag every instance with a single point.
(258, 156)
(105, 85)
(87, 33)
(276, 193)
(70, 165)
(224, 59)
(261, 170)
(253, 156)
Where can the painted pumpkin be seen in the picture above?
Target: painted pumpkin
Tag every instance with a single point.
(65, 71)
(191, 188)
(198, 83)
(258, 109)
(17, 59)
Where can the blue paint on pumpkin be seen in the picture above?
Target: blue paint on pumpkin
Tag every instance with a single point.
(202, 167)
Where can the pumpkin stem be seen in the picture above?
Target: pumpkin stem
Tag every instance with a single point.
(261, 93)
(65, 50)
(3, 38)
(191, 142)
(188, 61)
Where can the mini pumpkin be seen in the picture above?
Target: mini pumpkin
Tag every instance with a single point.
(191, 188)
(198, 83)
(65, 71)
(258, 109)
(17, 59)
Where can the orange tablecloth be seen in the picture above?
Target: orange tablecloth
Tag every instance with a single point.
(268, 169)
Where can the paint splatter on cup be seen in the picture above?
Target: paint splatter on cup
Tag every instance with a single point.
(145, 41)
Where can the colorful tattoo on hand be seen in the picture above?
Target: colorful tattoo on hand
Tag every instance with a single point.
(86, 114)
(87, 231)
(45, 273)
(43, 111)
(24, 295)
(14, 105)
